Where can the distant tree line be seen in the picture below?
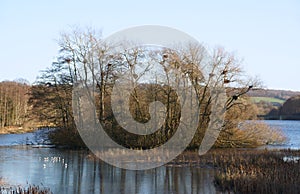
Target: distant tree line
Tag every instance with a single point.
(14, 107)
(290, 110)
(280, 94)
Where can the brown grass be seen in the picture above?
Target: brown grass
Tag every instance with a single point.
(249, 170)
(32, 189)
(15, 129)
(257, 171)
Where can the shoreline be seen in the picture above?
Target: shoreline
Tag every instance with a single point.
(16, 130)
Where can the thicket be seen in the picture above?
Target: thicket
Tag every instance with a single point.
(83, 54)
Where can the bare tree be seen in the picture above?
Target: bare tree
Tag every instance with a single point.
(13, 103)
(84, 55)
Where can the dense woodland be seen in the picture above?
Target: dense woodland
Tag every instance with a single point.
(290, 110)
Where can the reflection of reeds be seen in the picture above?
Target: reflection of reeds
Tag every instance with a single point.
(31, 189)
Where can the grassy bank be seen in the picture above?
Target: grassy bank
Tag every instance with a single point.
(16, 129)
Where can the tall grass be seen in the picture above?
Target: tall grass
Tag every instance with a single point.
(31, 189)
(249, 170)
(258, 172)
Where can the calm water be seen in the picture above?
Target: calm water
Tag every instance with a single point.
(291, 129)
(74, 172)
(66, 171)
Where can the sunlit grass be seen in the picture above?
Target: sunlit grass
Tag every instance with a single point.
(267, 99)
(16, 130)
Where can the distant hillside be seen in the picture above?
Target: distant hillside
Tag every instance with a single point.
(274, 101)
(270, 101)
(278, 94)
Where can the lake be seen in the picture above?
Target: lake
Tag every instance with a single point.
(69, 171)
(291, 130)
(74, 171)
(66, 171)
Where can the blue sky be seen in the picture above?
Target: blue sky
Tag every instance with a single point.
(265, 34)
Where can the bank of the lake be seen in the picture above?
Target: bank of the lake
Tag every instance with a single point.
(16, 130)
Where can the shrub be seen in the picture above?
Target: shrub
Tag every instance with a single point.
(66, 138)
(250, 134)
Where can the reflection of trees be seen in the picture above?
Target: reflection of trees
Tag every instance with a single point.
(93, 176)
(170, 180)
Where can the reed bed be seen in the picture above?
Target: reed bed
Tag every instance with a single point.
(31, 189)
(258, 171)
(248, 170)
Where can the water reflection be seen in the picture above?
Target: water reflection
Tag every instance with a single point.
(67, 171)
